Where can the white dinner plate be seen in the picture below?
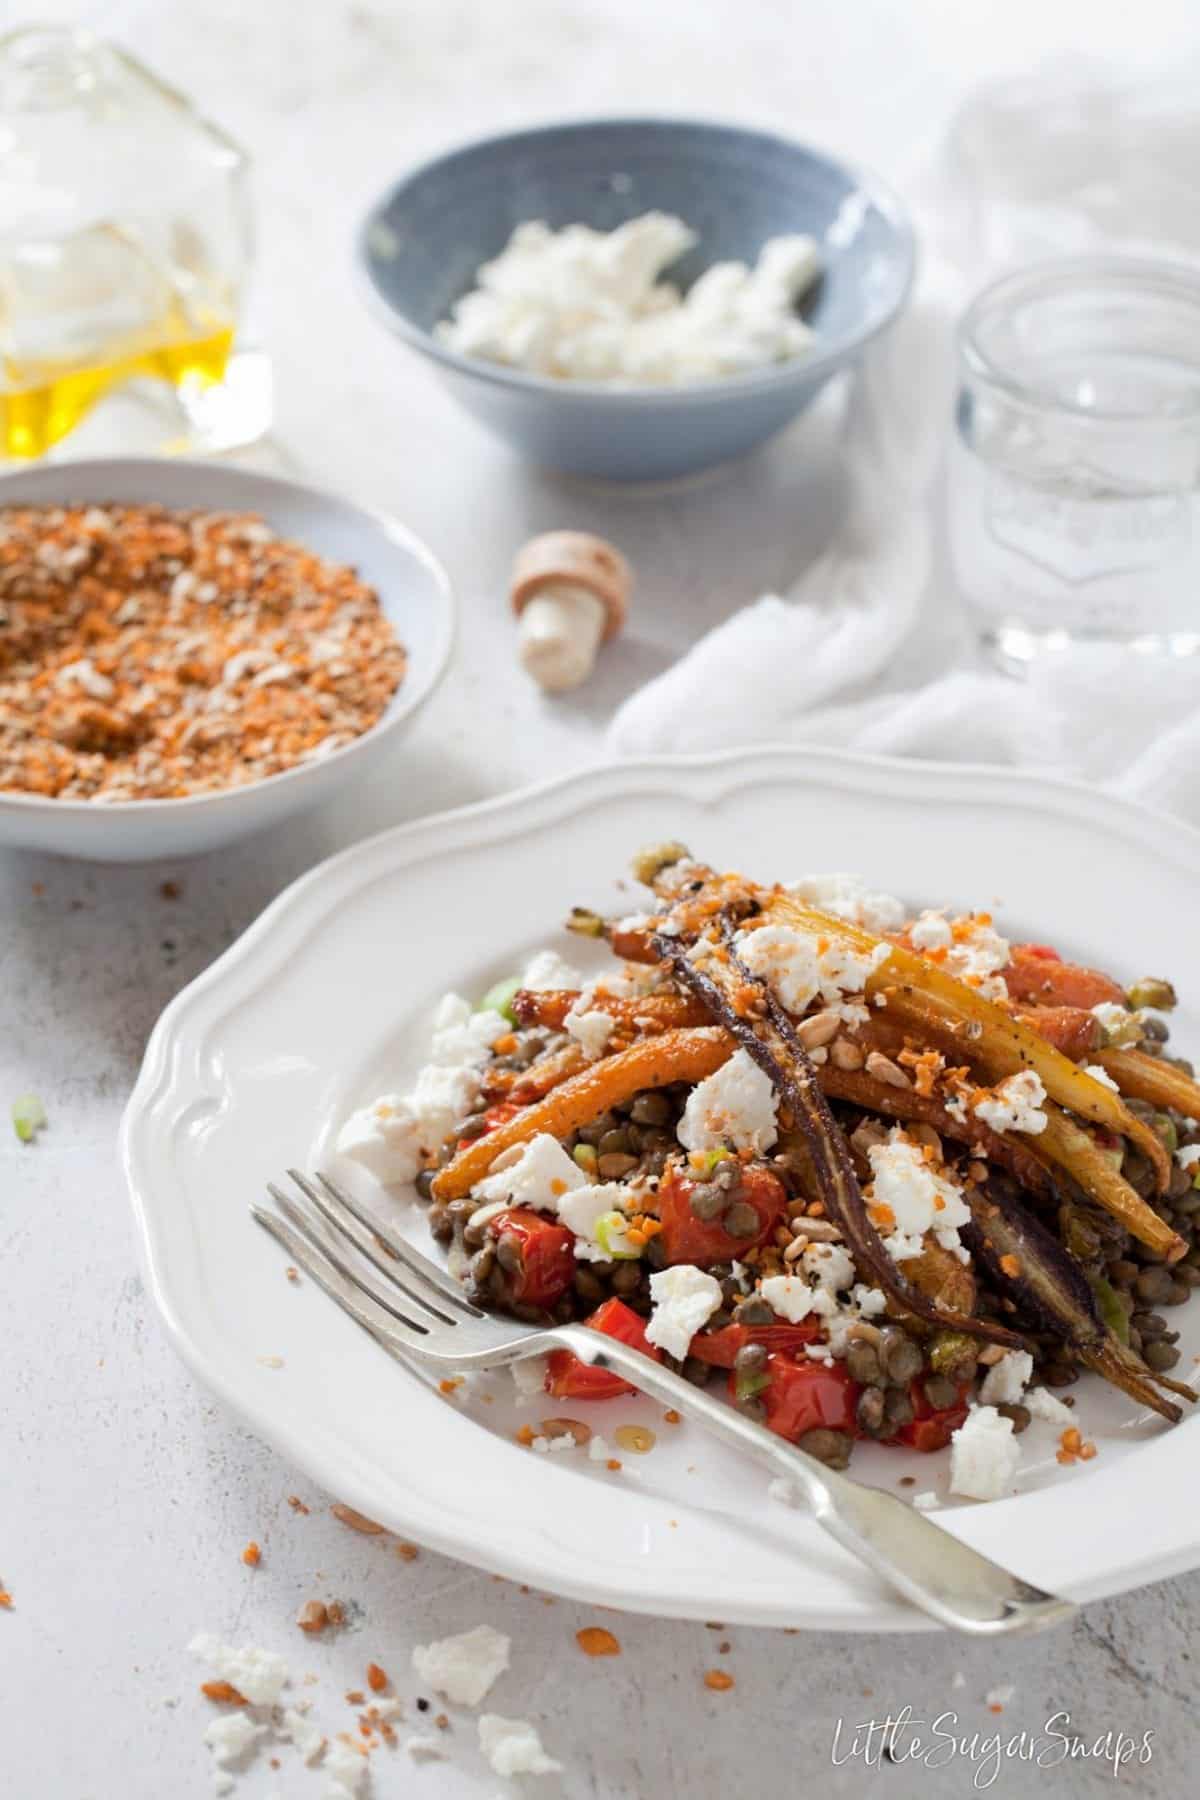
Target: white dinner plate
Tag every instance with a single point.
(327, 999)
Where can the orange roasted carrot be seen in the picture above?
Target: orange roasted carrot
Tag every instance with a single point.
(650, 1063)
(666, 1012)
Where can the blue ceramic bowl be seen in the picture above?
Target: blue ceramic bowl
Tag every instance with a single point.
(421, 244)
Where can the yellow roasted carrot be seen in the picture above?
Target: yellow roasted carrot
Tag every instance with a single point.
(650, 1063)
(1068, 1144)
(1148, 1078)
(992, 1038)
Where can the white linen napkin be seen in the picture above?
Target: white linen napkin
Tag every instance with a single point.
(1064, 162)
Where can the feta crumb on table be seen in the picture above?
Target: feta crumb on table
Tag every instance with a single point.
(462, 1668)
(231, 1736)
(259, 1675)
(347, 1768)
(513, 1747)
(424, 1749)
(984, 1456)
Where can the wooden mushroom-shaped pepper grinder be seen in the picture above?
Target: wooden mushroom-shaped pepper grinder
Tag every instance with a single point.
(570, 592)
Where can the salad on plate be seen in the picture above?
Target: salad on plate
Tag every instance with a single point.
(881, 1172)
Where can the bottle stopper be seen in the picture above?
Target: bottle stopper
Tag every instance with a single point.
(570, 593)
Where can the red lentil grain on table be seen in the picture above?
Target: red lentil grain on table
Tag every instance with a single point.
(151, 654)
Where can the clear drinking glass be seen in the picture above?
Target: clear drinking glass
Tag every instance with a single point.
(1073, 496)
(124, 247)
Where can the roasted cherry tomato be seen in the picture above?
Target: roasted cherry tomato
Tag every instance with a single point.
(499, 1114)
(719, 1348)
(569, 1379)
(1038, 975)
(687, 1239)
(546, 1266)
(931, 1427)
(802, 1396)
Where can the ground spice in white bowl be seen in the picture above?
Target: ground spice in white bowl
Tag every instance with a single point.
(147, 653)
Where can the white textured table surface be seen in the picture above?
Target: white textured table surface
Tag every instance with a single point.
(126, 1495)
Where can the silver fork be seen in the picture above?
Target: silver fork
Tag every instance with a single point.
(417, 1311)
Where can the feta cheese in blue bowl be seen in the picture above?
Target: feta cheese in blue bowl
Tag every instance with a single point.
(636, 299)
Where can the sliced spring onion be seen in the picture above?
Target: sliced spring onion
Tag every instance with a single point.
(586, 1158)
(610, 1235)
(499, 998)
(28, 1117)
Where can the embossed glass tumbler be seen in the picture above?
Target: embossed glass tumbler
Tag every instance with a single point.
(1074, 475)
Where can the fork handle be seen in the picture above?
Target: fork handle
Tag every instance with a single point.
(946, 1578)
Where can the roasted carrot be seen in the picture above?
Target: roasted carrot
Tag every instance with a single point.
(905, 1103)
(1148, 1078)
(1065, 1142)
(663, 1012)
(1000, 1044)
(651, 1062)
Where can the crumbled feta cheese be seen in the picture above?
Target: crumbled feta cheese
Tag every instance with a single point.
(1040, 1403)
(684, 1299)
(1188, 1155)
(1014, 1104)
(863, 1302)
(786, 960)
(598, 1450)
(303, 1733)
(984, 1455)
(463, 1668)
(231, 1736)
(735, 1105)
(1118, 1023)
(529, 1376)
(999, 1696)
(463, 1038)
(797, 969)
(957, 1108)
(925, 1502)
(513, 1747)
(586, 305)
(976, 955)
(259, 1675)
(581, 1212)
(539, 1178)
(547, 1446)
(788, 1297)
(931, 932)
(1101, 1075)
(393, 1136)
(917, 1199)
(547, 969)
(828, 1266)
(384, 1138)
(848, 897)
(346, 1765)
(424, 1749)
(590, 1027)
(1006, 1380)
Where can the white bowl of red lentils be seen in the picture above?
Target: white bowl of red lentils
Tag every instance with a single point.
(190, 652)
